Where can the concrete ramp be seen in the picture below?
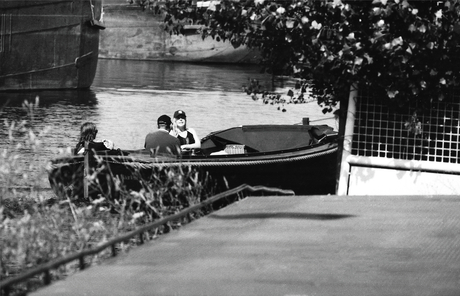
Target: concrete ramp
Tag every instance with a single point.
(294, 245)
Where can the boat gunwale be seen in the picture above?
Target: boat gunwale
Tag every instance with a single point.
(238, 160)
(281, 156)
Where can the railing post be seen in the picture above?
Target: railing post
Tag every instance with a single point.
(82, 262)
(167, 227)
(47, 278)
(141, 238)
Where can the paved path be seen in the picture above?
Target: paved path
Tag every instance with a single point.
(293, 245)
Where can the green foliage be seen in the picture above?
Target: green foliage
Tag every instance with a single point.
(300, 94)
(21, 180)
(408, 49)
(36, 227)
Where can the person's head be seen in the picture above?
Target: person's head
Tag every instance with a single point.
(164, 122)
(88, 132)
(180, 119)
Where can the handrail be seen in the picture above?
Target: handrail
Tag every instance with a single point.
(404, 164)
(45, 268)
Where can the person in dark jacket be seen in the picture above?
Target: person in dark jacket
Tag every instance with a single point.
(160, 142)
(88, 132)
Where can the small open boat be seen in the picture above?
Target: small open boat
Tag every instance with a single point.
(302, 158)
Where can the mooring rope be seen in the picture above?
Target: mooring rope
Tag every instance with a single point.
(228, 163)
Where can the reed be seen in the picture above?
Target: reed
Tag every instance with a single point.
(37, 226)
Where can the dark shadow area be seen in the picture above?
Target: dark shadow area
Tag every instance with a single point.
(50, 98)
(282, 215)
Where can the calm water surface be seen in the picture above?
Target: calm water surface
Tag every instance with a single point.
(128, 96)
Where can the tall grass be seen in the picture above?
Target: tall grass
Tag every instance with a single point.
(22, 178)
(37, 226)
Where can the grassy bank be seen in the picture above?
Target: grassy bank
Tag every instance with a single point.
(36, 226)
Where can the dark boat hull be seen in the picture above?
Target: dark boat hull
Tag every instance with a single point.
(305, 171)
(48, 44)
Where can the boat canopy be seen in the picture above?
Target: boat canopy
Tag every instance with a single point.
(265, 138)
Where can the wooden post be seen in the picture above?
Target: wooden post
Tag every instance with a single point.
(86, 171)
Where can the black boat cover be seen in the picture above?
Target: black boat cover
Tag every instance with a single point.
(265, 138)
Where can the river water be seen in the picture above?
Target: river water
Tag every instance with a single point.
(128, 96)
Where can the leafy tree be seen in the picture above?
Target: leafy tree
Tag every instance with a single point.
(407, 49)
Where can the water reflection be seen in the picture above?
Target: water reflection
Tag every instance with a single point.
(178, 76)
(59, 112)
(49, 98)
(128, 96)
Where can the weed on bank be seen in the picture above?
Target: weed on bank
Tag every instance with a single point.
(37, 226)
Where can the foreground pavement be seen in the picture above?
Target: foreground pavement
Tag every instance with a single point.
(293, 245)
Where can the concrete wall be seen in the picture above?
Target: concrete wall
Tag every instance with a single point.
(372, 181)
(132, 33)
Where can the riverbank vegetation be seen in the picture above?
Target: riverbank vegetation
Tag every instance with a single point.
(408, 50)
(36, 226)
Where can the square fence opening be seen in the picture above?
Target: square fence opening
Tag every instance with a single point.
(408, 133)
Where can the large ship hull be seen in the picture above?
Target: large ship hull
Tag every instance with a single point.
(48, 44)
(136, 34)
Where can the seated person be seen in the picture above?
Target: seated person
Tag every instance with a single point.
(188, 137)
(88, 132)
(161, 142)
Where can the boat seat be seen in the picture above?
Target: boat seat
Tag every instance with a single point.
(234, 149)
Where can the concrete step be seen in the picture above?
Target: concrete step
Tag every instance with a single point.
(294, 245)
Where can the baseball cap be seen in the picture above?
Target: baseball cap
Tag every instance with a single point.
(179, 114)
(164, 119)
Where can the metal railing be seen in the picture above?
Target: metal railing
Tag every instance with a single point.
(5, 286)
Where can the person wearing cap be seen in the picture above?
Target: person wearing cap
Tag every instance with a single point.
(188, 137)
(160, 142)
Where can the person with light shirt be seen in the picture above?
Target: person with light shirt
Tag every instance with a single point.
(188, 137)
